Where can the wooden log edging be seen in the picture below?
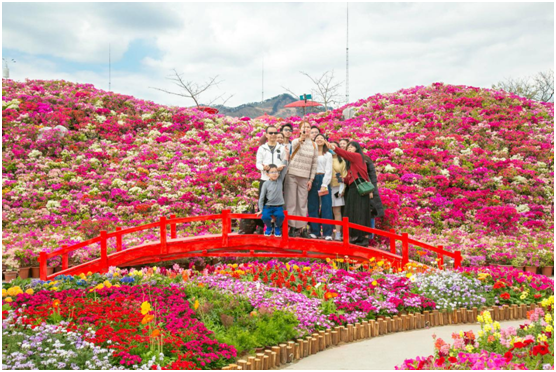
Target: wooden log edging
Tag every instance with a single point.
(277, 356)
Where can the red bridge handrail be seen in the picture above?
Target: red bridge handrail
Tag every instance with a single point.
(226, 216)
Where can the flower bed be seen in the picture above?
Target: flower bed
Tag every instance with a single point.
(183, 319)
(493, 348)
(467, 168)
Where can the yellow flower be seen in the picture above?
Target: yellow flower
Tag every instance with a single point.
(380, 263)
(469, 348)
(145, 308)
(82, 276)
(479, 333)
(548, 318)
(375, 283)
(542, 338)
(409, 275)
(89, 273)
(234, 266)
(107, 284)
(288, 266)
(461, 334)
(548, 328)
(14, 291)
(372, 259)
(480, 319)
(4, 292)
(496, 326)
(8, 299)
(295, 267)
(306, 268)
(54, 288)
(196, 305)
(327, 259)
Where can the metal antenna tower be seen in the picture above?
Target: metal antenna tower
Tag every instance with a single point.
(109, 69)
(347, 53)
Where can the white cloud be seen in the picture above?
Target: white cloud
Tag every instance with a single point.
(392, 45)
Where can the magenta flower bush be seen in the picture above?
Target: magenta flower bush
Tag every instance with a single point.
(467, 168)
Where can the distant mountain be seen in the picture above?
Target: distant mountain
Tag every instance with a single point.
(273, 106)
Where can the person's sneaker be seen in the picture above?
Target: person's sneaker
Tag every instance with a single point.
(277, 232)
(292, 232)
(267, 234)
(329, 238)
(277, 235)
(338, 236)
(303, 234)
(313, 236)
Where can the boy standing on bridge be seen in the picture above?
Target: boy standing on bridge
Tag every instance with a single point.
(271, 200)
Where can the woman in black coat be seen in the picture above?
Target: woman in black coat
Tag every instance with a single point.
(377, 209)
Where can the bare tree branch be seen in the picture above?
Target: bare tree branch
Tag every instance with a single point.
(539, 87)
(326, 89)
(290, 91)
(191, 89)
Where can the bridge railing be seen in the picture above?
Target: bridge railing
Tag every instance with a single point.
(226, 217)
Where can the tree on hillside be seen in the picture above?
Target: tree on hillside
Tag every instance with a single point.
(190, 89)
(539, 87)
(326, 91)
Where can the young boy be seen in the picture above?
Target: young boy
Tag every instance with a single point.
(272, 190)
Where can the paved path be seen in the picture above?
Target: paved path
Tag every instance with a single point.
(384, 352)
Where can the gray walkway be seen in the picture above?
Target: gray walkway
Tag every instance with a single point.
(384, 352)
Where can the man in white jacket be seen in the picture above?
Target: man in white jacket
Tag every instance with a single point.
(270, 153)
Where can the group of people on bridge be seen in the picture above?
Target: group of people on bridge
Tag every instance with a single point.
(312, 176)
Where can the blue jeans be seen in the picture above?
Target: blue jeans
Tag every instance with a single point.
(324, 202)
(372, 226)
(278, 213)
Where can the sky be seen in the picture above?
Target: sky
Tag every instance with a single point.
(391, 46)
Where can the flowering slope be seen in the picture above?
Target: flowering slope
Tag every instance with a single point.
(468, 168)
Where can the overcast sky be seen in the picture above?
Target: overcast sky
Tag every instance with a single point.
(391, 45)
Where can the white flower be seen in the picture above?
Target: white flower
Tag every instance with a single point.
(389, 169)
(35, 154)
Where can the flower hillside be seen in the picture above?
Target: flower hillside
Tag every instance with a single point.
(468, 168)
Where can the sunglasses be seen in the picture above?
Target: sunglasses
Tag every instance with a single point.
(273, 133)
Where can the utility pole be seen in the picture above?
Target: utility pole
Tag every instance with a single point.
(262, 87)
(347, 53)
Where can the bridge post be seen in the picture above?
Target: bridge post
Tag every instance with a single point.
(285, 230)
(65, 258)
(163, 236)
(103, 252)
(405, 249)
(457, 260)
(42, 265)
(173, 234)
(345, 232)
(226, 226)
(440, 258)
(393, 243)
(118, 240)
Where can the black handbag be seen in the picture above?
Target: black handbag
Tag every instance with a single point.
(248, 226)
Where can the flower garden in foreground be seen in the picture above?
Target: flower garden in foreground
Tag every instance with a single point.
(186, 319)
(466, 168)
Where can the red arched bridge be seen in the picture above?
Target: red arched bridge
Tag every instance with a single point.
(228, 244)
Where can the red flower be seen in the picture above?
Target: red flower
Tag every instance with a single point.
(499, 284)
(452, 359)
(440, 362)
(540, 349)
(519, 345)
(508, 355)
(505, 296)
